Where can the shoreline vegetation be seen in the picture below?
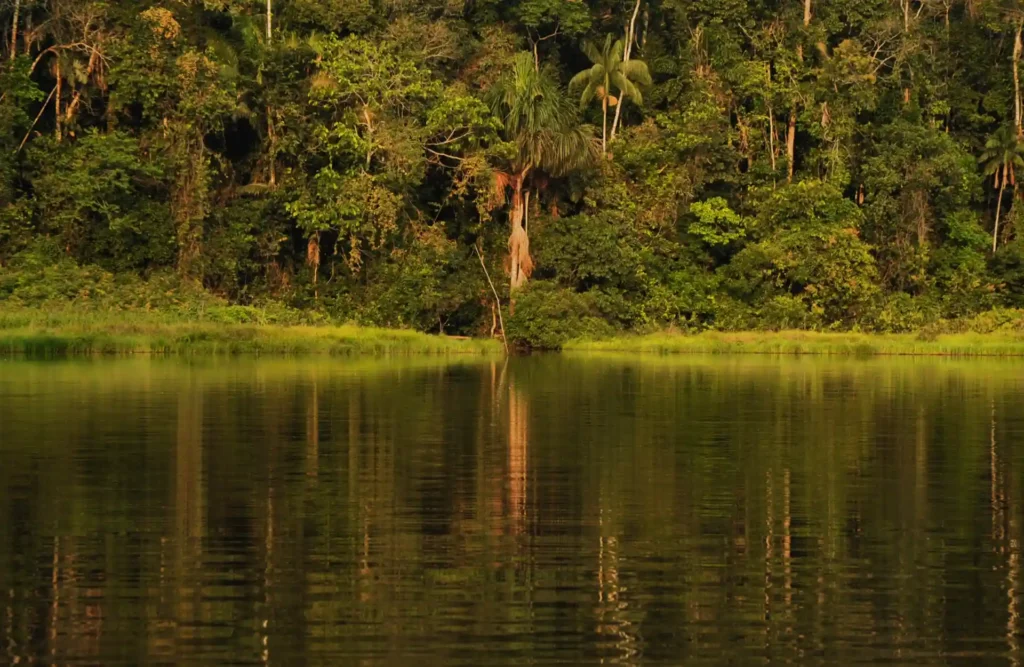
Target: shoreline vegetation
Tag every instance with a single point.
(40, 333)
(56, 334)
(248, 177)
(811, 343)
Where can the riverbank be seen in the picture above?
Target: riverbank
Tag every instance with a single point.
(54, 334)
(1008, 343)
(66, 332)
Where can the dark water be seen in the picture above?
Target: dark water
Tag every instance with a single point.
(558, 510)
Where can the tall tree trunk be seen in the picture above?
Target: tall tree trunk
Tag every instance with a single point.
(497, 299)
(771, 118)
(520, 262)
(36, 121)
(791, 144)
(270, 21)
(313, 257)
(271, 135)
(1017, 47)
(791, 131)
(604, 124)
(27, 42)
(57, 101)
(905, 5)
(999, 208)
(626, 53)
(77, 98)
(272, 138)
(14, 29)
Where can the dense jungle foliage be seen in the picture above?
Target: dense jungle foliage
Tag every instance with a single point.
(614, 165)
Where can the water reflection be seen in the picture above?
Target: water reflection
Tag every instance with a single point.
(660, 511)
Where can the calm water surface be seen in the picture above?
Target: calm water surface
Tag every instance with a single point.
(557, 510)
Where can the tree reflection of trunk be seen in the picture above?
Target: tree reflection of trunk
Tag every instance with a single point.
(919, 583)
(189, 506)
(518, 434)
(996, 492)
(268, 574)
(313, 433)
(1006, 526)
(769, 556)
(787, 539)
(612, 620)
(1012, 586)
(487, 513)
(54, 599)
(10, 644)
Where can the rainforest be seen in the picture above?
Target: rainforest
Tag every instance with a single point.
(552, 169)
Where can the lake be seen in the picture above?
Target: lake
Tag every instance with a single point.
(551, 510)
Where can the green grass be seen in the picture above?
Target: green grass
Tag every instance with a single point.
(39, 333)
(996, 344)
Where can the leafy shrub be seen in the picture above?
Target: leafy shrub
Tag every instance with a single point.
(716, 224)
(547, 316)
(1008, 273)
(998, 319)
(235, 315)
(430, 285)
(787, 312)
(902, 313)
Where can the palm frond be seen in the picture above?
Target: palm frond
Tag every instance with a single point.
(637, 71)
(588, 94)
(581, 79)
(592, 53)
(540, 119)
(627, 87)
(615, 55)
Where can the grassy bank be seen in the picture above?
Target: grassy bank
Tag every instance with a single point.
(994, 344)
(61, 333)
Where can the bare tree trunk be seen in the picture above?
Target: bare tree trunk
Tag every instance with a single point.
(791, 131)
(36, 121)
(999, 208)
(58, 130)
(28, 33)
(1017, 47)
(14, 29)
(270, 21)
(626, 53)
(526, 211)
(604, 125)
(313, 254)
(497, 300)
(771, 117)
(791, 144)
(272, 137)
(744, 146)
(905, 5)
(77, 98)
(520, 262)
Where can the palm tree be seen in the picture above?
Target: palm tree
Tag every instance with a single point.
(1003, 153)
(544, 129)
(608, 69)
